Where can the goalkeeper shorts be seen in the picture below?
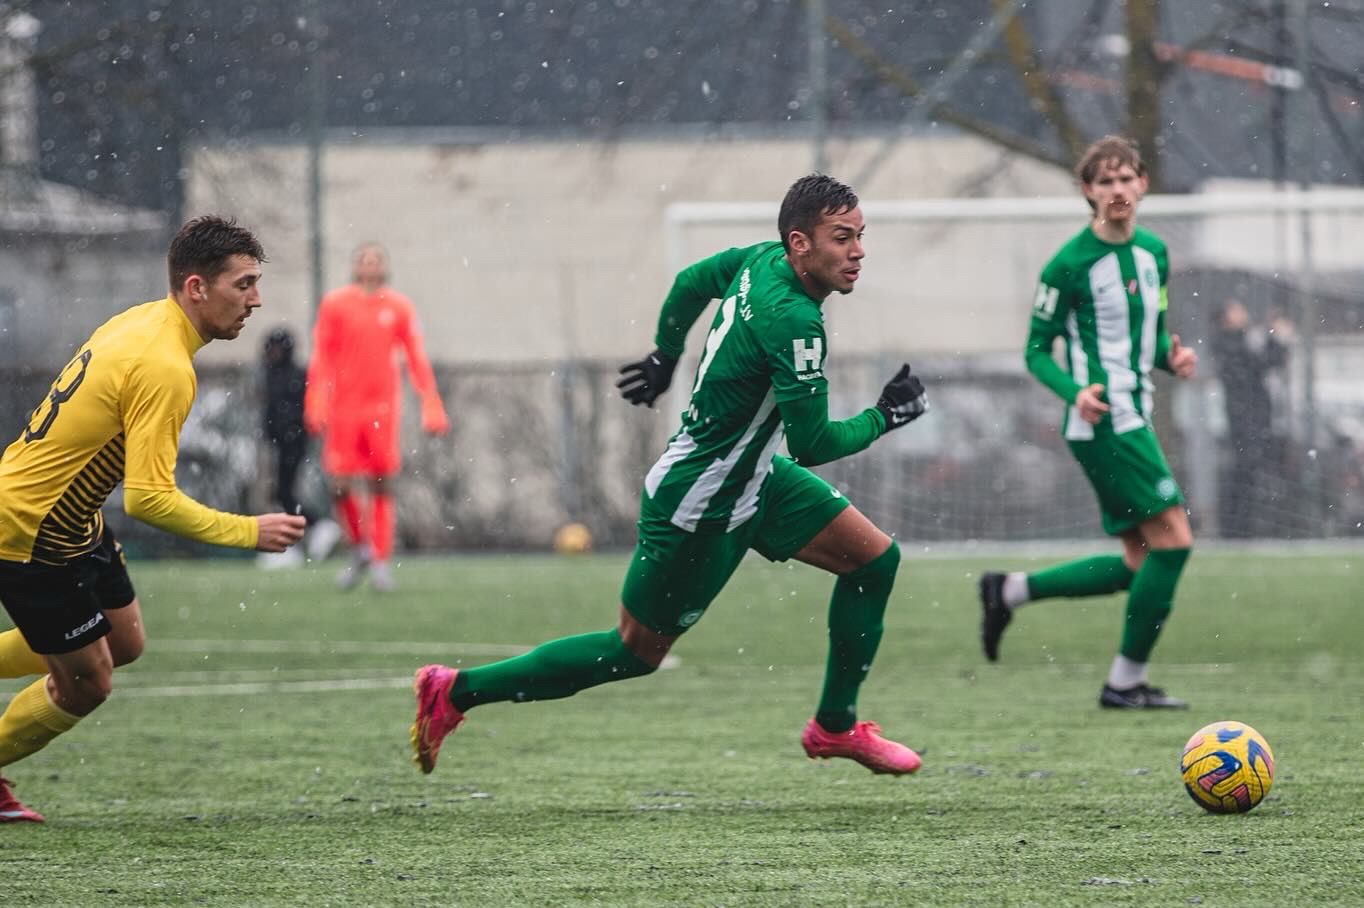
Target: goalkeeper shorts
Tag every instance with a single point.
(362, 443)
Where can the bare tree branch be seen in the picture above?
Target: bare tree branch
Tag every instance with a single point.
(1021, 53)
(1344, 140)
(1145, 75)
(907, 85)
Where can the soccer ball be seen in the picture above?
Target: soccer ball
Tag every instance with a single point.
(1227, 767)
(572, 539)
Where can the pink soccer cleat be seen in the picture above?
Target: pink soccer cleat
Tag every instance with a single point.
(862, 743)
(436, 715)
(11, 811)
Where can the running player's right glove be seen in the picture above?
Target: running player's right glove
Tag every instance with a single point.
(902, 400)
(645, 380)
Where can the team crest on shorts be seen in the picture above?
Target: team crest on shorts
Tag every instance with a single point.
(690, 618)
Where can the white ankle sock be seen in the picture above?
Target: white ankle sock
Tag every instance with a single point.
(1125, 673)
(1015, 590)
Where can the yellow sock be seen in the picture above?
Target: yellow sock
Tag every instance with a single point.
(30, 721)
(16, 659)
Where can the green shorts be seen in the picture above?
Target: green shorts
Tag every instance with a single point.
(1130, 477)
(674, 574)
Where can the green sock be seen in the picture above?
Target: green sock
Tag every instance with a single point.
(855, 626)
(559, 668)
(1149, 602)
(1097, 575)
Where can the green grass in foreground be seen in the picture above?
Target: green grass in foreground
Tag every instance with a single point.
(223, 773)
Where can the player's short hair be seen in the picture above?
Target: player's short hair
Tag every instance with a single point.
(808, 200)
(1115, 150)
(368, 246)
(203, 245)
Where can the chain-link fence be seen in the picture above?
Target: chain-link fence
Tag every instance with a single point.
(532, 448)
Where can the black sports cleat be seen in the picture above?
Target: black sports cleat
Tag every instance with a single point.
(994, 614)
(1143, 696)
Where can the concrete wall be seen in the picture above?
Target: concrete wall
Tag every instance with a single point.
(552, 250)
(55, 290)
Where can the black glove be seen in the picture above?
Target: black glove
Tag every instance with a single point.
(902, 400)
(647, 379)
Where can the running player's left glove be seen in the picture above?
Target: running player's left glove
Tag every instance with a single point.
(645, 380)
(902, 400)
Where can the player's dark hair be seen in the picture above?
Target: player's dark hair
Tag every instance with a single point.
(204, 245)
(1110, 150)
(808, 200)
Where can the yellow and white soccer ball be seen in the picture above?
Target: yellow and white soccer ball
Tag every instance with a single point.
(1227, 767)
(572, 539)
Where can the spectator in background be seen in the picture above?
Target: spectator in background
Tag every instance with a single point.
(1244, 360)
(284, 382)
(352, 401)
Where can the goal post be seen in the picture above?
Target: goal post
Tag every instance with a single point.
(948, 284)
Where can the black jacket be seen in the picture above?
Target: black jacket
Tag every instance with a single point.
(1242, 370)
(284, 384)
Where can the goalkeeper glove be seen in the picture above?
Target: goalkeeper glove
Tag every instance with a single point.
(314, 420)
(645, 380)
(434, 420)
(902, 400)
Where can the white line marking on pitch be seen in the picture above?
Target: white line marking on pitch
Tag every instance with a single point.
(336, 647)
(352, 648)
(310, 686)
(266, 687)
(276, 685)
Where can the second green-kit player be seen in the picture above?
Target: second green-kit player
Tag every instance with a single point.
(1103, 295)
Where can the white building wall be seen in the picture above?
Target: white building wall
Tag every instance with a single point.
(549, 250)
(523, 251)
(1274, 242)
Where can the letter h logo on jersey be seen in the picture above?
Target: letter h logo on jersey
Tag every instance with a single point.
(808, 355)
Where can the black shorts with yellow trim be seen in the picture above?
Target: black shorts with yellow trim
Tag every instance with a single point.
(60, 608)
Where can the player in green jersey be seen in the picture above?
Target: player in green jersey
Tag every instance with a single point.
(721, 489)
(1104, 295)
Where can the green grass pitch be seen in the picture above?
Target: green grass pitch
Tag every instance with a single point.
(257, 754)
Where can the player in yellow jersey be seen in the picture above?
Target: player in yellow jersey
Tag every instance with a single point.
(113, 415)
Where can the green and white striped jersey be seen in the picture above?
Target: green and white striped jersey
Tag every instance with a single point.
(1107, 302)
(766, 346)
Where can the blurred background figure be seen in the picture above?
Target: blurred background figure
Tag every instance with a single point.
(284, 382)
(1245, 358)
(352, 400)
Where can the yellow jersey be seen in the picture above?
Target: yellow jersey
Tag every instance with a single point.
(113, 414)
